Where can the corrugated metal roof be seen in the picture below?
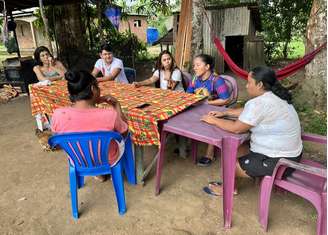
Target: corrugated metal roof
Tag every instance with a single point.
(167, 39)
(23, 4)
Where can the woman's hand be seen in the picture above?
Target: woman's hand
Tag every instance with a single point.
(109, 100)
(136, 84)
(217, 114)
(209, 119)
(52, 61)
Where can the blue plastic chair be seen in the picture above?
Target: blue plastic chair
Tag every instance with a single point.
(88, 156)
(130, 74)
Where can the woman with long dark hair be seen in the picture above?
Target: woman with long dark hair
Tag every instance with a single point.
(166, 73)
(272, 120)
(47, 68)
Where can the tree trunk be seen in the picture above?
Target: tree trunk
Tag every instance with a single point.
(46, 25)
(285, 50)
(71, 35)
(197, 29)
(99, 16)
(313, 88)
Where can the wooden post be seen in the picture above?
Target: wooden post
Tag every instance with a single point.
(33, 35)
(46, 25)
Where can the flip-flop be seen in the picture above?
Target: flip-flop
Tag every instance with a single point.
(218, 183)
(215, 183)
(210, 192)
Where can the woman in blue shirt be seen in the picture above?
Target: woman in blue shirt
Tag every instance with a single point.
(207, 83)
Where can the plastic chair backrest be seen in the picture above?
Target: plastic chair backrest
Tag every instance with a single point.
(233, 88)
(130, 74)
(187, 77)
(86, 149)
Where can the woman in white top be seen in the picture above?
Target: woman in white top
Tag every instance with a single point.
(167, 74)
(273, 122)
(110, 67)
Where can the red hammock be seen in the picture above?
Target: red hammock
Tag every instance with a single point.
(281, 73)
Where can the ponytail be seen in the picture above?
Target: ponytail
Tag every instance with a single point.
(282, 92)
(268, 77)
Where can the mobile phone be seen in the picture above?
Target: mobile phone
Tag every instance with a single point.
(142, 106)
(231, 118)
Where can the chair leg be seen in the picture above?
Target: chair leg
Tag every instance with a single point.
(194, 150)
(128, 162)
(322, 216)
(73, 182)
(264, 201)
(160, 161)
(80, 181)
(118, 185)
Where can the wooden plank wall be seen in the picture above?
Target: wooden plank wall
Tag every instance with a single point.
(216, 18)
(253, 52)
(183, 39)
(236, 21)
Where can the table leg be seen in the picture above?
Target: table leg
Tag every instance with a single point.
(229, 156)
(139, 155)
(194, 145)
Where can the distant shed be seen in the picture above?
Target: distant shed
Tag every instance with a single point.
(236, 26)
(166, 40)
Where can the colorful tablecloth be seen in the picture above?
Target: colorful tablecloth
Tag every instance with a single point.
(143, 122)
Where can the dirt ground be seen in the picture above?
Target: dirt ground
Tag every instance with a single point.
(35, 199)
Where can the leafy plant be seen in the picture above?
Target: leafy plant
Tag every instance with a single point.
(283, 20)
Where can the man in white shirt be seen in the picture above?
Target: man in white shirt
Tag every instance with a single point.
(111, 68)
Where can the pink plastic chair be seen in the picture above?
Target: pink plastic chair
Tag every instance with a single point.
(187, 78)
(309, 180)
(233, 89)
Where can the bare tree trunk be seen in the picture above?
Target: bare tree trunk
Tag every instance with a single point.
(72, 41)
(313, 88)
(99, 16)
(46, 25)
(197, 29)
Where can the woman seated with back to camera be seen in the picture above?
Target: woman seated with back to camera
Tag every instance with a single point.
(84, 116)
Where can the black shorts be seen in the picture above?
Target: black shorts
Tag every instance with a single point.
(257, 165)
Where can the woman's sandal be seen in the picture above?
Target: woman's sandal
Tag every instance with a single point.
(209, 191)
(100, 178)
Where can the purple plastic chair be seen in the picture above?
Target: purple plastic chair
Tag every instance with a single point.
(187, 78)
(233, 89)
(309, 180)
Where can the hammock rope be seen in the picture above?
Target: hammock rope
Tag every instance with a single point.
(281, 73)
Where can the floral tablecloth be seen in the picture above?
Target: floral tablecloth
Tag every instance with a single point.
(143, 122)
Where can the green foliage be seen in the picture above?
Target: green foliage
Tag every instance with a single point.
(152, 7)
(313, 121)
(282, 20)
(125, 45)
(159, 23)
